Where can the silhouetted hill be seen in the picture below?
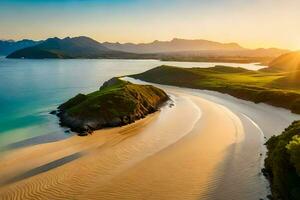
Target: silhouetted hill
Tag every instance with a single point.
(174, 50)
(77, 47)
(9, 46)
(287, 62)
(175, 45)
(185, 50)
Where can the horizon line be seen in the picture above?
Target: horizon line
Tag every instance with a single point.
(149, 42)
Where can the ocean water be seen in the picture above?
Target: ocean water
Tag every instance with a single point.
(30, 89)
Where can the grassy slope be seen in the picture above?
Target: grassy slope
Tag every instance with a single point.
(275, 87)
(256, 86)
(117, 102)
(227, 59)
(287, 62)
(283, 163)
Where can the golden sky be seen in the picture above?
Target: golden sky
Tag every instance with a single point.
(251, 23)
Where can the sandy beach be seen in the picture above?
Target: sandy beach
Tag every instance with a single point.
(200, 148)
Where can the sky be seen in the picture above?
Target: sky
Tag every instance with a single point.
(251, 23)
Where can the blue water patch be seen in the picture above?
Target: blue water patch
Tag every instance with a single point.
(30, 89)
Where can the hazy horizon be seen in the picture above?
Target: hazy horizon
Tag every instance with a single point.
(129, 42)
(252, 24)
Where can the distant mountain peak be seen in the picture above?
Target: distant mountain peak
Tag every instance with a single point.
(52, 39)
(174, 45)
(9, 46)
(75, 47)
(82, 46)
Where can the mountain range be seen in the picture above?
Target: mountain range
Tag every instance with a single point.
(9, 46)
(183, 47)
(176, 49)
(77, 47)
(175, 45)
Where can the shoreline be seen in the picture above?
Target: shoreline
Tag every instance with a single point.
(243, 62)
(250, 91)
(159, 126)
(266, 120)
(135, 139)
(75, 145)
(170, 162)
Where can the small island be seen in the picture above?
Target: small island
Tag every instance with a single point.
(116, 103)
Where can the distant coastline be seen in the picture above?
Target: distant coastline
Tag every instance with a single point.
(174, 50)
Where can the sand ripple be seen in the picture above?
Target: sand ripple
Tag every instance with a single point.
(120, 150)
(198, 149)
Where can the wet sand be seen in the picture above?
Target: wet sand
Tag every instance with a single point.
(201, 148)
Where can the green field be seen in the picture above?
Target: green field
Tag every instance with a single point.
(276, 88)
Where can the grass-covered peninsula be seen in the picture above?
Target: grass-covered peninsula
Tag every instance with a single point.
(116, 103)
(283, 163)
(280, 88)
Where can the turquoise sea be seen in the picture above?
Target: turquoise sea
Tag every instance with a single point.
(30, 89)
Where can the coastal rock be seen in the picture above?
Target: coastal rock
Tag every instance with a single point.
(53, 112)
(117, 103)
